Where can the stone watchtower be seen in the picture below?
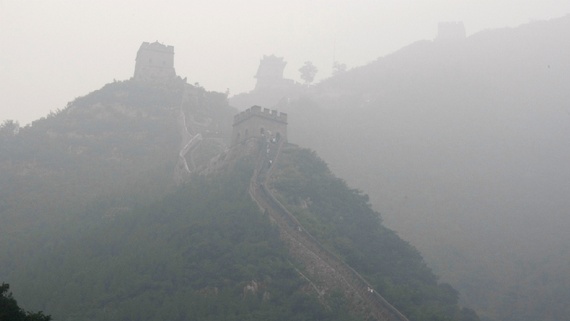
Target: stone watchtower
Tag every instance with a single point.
(154, 62)
(255, 122)
(270, 73)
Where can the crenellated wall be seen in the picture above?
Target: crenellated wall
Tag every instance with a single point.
(258, 122)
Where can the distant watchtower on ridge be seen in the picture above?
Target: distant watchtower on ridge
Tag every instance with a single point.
(154, 62)
(270, 73)
(255, 122)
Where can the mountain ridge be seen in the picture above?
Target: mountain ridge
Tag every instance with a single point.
(460, 145)
(107, 234)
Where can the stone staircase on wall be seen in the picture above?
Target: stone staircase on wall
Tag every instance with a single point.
(323, 268)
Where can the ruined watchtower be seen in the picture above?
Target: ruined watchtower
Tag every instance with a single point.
(255, 122)
(154, 62)
(270, 73)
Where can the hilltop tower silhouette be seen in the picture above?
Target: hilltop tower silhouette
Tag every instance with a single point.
(270, 74)
(154, 62)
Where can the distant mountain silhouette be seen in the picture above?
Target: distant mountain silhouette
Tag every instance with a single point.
(463, 148)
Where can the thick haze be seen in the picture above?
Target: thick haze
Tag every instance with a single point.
(54, 51)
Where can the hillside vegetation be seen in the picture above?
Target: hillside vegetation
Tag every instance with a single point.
(203, 252)
(342, 220)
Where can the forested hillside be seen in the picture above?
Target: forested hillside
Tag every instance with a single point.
(203, 252)
(122, 137)
(342, 220)
(111, 149)
(95, 228)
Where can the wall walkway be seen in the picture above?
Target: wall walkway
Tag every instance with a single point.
(324, 269)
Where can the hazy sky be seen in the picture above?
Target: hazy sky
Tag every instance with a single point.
(54, 51)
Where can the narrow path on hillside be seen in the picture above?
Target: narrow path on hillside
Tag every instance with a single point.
(323, 267)
(189, 143)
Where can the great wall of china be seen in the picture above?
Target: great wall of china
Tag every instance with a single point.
(325, 270)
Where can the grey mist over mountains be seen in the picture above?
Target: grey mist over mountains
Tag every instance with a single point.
(460, 142)
(462, 147)
(54, 51)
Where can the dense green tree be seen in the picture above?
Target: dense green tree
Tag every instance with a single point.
(9, 128)
(10, 311)
(308, 72)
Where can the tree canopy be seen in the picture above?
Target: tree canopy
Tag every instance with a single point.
(308, 72)
(10, 311)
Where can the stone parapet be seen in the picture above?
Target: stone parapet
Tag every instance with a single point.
(266, 113)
